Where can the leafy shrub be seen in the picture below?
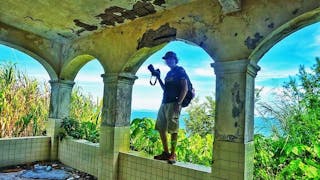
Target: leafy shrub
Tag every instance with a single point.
(193, 148)
(80, 130)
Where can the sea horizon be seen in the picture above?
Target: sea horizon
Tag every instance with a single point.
(260, 125)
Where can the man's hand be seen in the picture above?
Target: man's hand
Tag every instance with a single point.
(156, 73)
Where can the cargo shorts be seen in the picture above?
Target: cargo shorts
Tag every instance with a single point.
(168, 120)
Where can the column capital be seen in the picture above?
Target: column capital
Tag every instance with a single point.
(237, 66)
(127, 78)
(66, 83)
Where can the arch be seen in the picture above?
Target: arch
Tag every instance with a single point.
(140, 56)
(283, 31)
(42, 61)
(71, 68)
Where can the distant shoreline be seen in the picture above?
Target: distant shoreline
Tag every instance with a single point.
(260, 125)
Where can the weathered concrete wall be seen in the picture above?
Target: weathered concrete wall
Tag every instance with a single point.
(43, 50)
(224, 37)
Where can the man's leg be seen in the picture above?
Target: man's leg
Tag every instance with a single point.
(174, 138)
(172, 158)
(165, 154)
(161, 126)
(164, 140)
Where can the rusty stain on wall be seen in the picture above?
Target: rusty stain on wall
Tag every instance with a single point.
(151, 38)
(226, 137)
(237, 103)
(84, 25)
(271, 25)
(159, 2)
(33, 19)
(116, 14)
(294, 12)
(251, 43)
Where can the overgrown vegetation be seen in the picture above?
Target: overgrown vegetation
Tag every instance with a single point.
(192, 148)
(23, 105)
(85, 117)
(80, 130)
(295, 153)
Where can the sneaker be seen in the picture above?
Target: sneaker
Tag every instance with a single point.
(162, 156)
(172, 159)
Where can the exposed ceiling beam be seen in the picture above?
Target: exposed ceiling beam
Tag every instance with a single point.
(229, 6)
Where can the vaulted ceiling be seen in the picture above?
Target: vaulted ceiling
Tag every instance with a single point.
(70, 19)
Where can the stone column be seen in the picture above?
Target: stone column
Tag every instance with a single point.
(59, 108)
(115, 125)
(233, 148)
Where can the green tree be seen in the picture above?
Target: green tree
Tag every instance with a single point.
(294, 153)
(297, 107)
(201, 117)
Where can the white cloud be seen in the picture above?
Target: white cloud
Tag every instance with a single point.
(267, 93)
(147, 103)
(268, 73)
(203, 72)
(40, 77)
(317, 41)
(316, 38)
(88, 78)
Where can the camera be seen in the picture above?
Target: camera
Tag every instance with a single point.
(154, 72)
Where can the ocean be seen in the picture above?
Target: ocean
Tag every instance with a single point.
(260, 125)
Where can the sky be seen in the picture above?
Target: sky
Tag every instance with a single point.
(277, 65)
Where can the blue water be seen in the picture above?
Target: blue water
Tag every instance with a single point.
(260, 125)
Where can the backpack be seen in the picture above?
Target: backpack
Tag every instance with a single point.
(190, 94)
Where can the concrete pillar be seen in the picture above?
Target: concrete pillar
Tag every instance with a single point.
(233, 145)
(59, 108)
(60, 98)
(115, 123)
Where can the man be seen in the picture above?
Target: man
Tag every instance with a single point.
(174, 90)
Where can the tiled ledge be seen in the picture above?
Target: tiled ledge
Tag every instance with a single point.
(83, 141)
(135, 165)
(187, 165)
(26, 137)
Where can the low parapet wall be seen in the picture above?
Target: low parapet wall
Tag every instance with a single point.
(20, 150)
(133, 166)
(79, 154)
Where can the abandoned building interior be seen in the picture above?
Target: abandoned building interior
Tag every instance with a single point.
(64, 35)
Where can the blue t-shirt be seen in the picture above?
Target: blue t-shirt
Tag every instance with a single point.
(172, 86)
